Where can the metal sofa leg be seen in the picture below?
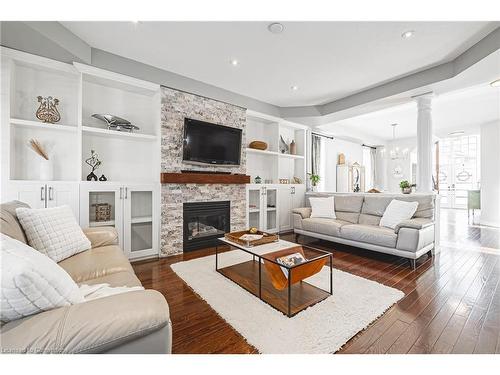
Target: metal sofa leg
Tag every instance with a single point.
(429, 253)
(296, 238)
(413, 264)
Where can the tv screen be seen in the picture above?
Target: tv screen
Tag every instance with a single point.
(210, 143)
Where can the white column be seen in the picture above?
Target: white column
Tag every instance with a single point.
(424, 143)
(490, 173)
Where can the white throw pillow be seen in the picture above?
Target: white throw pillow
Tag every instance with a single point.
(32, 282)
(53, 231)
(396, 212)
(323, 207)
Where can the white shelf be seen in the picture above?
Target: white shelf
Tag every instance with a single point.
(102, 223)
(271, 209)
(115, 133)
(261, 152)
(291, 156)
(142, 219)
(253, 210)
(41, 125)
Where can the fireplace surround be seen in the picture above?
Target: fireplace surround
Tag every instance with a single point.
(204, 222)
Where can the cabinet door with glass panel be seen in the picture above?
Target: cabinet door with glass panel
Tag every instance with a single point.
(262, 210)
(101, 206)
(140, 228)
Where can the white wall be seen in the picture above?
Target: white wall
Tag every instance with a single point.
(331, 148)
(490, 174)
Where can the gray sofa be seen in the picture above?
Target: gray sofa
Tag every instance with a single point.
(357, 224)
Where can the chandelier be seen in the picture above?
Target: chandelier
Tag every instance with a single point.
(395, 153)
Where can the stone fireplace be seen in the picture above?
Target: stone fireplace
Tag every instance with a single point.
(175, 106)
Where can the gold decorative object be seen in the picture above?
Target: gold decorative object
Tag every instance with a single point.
(341, 159)
(296, 180)
(284, 181)
(258, 145)
(293, 147)
(47, 111)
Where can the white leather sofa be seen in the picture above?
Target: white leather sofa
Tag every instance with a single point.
(357, 224)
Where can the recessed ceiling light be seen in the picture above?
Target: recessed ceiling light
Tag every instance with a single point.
(408, 34)
(294, 88)
(234, 62)
(458, 132)
(136, 22)
(495, 83)
(276, 28)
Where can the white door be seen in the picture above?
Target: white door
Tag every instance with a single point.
(32, 193)
(270, 209)
(285, 203)
(140, 222)
(59, 194)
(254, 202)
(299, 196)
(98, 198)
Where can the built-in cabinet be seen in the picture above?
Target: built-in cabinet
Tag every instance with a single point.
(133, 212)
(263, 207)
(131, 189)
(44, 194)
(290, 197)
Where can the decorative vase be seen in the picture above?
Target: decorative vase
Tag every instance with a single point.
(46, 170)
(293, 148)
(406, 190)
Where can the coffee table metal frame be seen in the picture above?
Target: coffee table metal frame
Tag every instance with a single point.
(260, 257)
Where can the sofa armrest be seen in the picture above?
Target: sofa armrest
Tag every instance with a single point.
(415, 223)
(90, 327)
(101, 236)
(304, 212)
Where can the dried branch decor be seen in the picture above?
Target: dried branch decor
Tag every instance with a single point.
(38, 148)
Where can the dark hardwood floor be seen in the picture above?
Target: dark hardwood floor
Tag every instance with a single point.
(451, 303)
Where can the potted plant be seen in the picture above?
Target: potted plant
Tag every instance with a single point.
(314, 178)
(405, 187)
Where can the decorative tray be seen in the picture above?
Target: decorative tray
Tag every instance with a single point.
(266, 238)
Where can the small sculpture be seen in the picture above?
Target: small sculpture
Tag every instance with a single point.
(283, 146)
(116, 123)
(94, 163)
(103, 178)
(47, 111)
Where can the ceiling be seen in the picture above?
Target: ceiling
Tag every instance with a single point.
(460, 110)
(326, 60)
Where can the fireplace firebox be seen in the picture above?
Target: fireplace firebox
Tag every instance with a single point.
(204, 222)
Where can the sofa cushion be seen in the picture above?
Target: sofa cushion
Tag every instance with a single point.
(96, 263)
(322, 207)
(369, 219)
(369, 234)
(32, 282)
(9, 224)
(351, 217)
(330, 227)
(376, 205)
(348, 203)
(396, 212)
(53, 231)
(425, 207)
(118, 279)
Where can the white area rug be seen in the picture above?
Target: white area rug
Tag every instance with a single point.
(322, 328)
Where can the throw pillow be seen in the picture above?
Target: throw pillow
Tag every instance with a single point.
(53, 231)
(323, 207)
(32, 282)
(396, 212)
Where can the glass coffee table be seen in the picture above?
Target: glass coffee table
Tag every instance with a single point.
(285, 288)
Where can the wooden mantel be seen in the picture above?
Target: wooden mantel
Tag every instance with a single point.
(203, 178)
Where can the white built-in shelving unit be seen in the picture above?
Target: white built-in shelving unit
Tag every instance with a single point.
(130, 161)
(270, 203)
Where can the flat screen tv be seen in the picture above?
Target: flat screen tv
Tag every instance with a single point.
(208, 143)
